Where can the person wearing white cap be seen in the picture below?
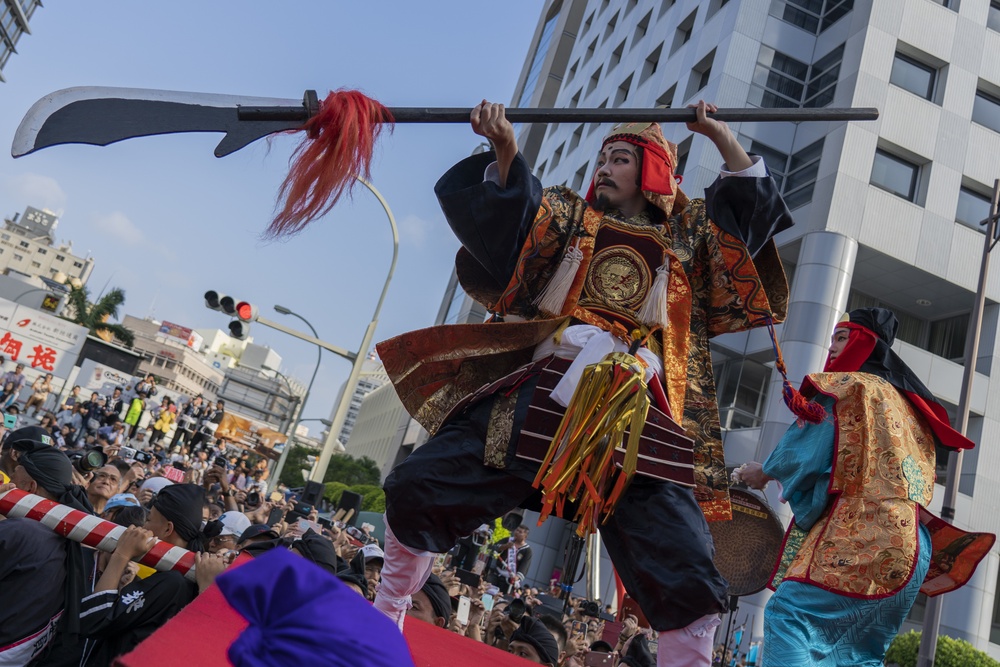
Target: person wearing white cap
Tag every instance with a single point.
(374, 560)
(233, 525)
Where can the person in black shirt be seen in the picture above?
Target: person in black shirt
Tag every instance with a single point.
(116, 621)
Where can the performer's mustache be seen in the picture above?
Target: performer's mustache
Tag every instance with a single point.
(606, 181)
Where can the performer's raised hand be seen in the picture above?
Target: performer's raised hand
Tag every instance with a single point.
(489, 120)
(733, 154)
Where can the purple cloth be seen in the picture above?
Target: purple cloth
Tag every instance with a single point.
(299, 614)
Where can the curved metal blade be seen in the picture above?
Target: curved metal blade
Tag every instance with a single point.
(100, 116)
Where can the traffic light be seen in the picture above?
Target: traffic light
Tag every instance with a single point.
(243, 312)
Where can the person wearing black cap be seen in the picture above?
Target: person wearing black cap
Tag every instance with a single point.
(533, 641)
(116, 621)
(431, 603)
(858, 474)
(42, 575)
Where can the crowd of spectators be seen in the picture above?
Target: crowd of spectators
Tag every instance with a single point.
(178, 483)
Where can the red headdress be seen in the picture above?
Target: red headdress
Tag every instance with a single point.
(658, 182)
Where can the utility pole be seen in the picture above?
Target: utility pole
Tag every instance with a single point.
(932, 615)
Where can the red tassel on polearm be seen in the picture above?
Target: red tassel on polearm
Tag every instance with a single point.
(338, 146)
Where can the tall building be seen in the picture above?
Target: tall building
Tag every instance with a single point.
(179, 366)
(372, 377)
(14, 18)
(28, 246)
(887, 212)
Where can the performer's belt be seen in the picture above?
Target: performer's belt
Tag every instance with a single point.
(665, 452)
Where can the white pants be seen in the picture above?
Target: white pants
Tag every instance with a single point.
(690, 646)
(404, 572)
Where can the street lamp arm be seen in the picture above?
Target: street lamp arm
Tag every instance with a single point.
(351, 356)
(319, 471)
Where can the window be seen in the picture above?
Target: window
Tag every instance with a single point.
(42, 251)
(578, 178)
(652, 62)
(24, 244)
(972, 208)
(574, 141)
(714, 6)
(993, 18)
(683, 32)
(18, 258)
(642, 27)
(612, 24)
(5, 237)
(895, 175)
(60, 258)
(742, 392)
(574, 101)
(590, 51)
(800, 180)
(616, 56)
(947, 337)
(683, 150)
(594, 80)
(665, 6)
(795, 175)
(622, 94)
(700, 74)
(780, 81)
(667, 98)
(36, 265)
(813, 16)
(78, 265)
(630, 6)
(572, 71)
(589, 22)
(823, 76)
(536, 61)
(947, 4)
(986, 110)
(557, 156)
(914, 76)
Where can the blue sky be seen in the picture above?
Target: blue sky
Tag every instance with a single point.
(166, 220)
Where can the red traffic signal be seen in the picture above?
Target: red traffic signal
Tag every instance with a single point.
(246, 311)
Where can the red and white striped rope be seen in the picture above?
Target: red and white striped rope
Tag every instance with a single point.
(91, 530)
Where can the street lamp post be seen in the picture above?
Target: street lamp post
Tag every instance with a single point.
(932, 614)
(319, 471)
(290, 439)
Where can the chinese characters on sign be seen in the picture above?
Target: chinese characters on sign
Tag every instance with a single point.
(41, 342)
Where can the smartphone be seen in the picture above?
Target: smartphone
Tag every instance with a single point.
(10, 421)
(274, 518)
(599, 660)
(323, 521)
(464, 604)
(127, 453)
(579, 633)
(468, 578)
(487, 602)
(221, 462)
(174, 474)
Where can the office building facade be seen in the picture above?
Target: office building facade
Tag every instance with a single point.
(887, 212)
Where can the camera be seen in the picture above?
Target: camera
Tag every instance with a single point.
(135, 455)
(589, 608)
(253, 499)
(90, 460)
(516, 609)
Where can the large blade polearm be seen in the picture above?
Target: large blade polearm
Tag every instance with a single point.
(101, 116)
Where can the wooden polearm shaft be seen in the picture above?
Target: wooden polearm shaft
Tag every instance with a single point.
(515, 115)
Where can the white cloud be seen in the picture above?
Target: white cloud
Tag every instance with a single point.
(29, 189)
(413, 230)
(118, 225)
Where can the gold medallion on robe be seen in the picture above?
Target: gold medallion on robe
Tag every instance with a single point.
(619, 276)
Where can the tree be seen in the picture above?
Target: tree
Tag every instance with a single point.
(95, 316)
(950, 652)
(295, 462)
(351, 471)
